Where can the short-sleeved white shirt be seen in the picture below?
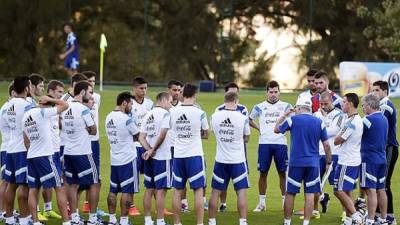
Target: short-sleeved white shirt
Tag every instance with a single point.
(229, 128)
(187, 121)
(74, 122)
(95, 113)
(349, 151)
(4, 129)
(55, 132)
(139, 110)
(68, 98)
(120, 129)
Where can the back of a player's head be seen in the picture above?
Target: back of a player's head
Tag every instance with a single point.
(326, 96)
(81, 86)
(11, 88)
(21, 83)
(122, 97)
(383, 85)
(321, 75)
(231, 97)
(311, 72)
(89, 74)
(189, 91)
(54, 84)
(174, 82)
(78, 77)
(272, 84)
(162, 96)
(353, 98)
(372, 101)
(231, 85)
(36, 79)
(68, 25)
(139, 81)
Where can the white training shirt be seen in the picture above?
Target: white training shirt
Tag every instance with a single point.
(334, 122)
(139, 110)
(170, 138)
(68, 98)
(4, 129)
(268, 114)
(16, 110)
(155, 120)
(74, 122)
(55, 132)
(36, 124)
(349, 151)
(120, 129)
(95, 113)
(229, 127)
(305, 95)
(187, 121)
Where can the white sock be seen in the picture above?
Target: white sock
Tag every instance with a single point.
(212, 221)
(48, 206)
(306, 222)
(92, 217)
(223, 203)
(24, 221)
(10, 220)
(66, 223)
(112, 218)
(242, 221)
(287, 221)
(148, 220)
(37, 208)
(124, 220)
(75, 217)
(262, 199)
(184, 201)
(160, 222)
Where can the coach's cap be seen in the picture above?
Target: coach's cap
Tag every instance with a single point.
(304, 101)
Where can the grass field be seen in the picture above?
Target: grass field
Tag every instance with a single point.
(208, 101)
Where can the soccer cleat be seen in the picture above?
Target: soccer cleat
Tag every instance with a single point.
(185, 208)
(133, 211)
(315, 215)
(94, 223)
(167, 213)
(86, 207)
(324, 201)
(80, 222)
(42, 217)
(391, 219)
(51, 214)
(260, 208)
(222, 208)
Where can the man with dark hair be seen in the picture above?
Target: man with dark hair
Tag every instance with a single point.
(121, 129)
(94, 109)
(232, 130)
(41, 163)
(71, 55)
(381, 89)
(78, 77)
(312, 90)
(157, 164)
(189, 124)
(5, 139)
(16, 162)
(175, 89)
(271, 145)
(36, 87)
(141, 105)
(322, 85)
(76, 125)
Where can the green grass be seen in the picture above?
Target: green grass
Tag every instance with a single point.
(208, 101)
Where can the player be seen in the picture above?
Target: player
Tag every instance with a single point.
(91, 78)
(124, 179)
(141, 105)
(5, 139)
(348, 143)
(305, 133)
(157, 164)
(381, 89)
(232, 131)
(231, 87)
(175, 89)
(373, 158)
(312, 90)
(43, 171)
(36, 87)
(322, 85)
(71, 55)
(271, 145)
(16, 163)
(77, 124)
(189, 124)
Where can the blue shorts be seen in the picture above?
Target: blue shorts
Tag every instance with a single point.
(96, 154)
(157, 174)
(43, 172)
(71, 63)
(309, 176)
(80, 169)
(265, 154)
(125, 178)
(373, 176)
(3, 161)
(346, 178)
(16, 168)
(223, 172)
(322, 167)
(190, 169)
(57, 159)
(139, 159)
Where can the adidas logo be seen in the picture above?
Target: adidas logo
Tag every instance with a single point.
(11, 111)
(110, 124)
(150, 119)
(29, 122)
(226, 123)
(182, 119)
(68, 114)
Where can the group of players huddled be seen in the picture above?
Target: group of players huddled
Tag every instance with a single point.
(51, 142)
